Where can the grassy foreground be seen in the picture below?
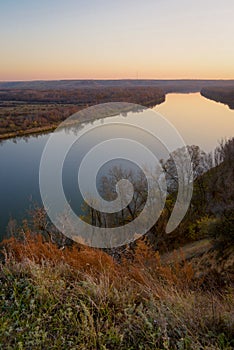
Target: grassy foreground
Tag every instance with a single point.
(80, 298)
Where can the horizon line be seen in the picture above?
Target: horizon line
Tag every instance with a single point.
(117, 79)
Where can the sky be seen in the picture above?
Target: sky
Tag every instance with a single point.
(116, 39)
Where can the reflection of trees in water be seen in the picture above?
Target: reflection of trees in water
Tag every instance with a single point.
(213, 195)
(79, 120)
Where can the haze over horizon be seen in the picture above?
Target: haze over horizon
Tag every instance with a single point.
(163, 39)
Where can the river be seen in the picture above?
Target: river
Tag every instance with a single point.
(199, 121)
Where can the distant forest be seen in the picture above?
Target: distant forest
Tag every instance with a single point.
(183, 85)
(26, 111)
(221, 94)
(39, 106)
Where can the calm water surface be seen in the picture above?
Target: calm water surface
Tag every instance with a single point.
(199, 121)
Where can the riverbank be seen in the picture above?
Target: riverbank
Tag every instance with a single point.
(29, 132)
(82, 119)
(221, 94)
(25, 113)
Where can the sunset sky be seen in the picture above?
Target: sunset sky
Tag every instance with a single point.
(101, 39)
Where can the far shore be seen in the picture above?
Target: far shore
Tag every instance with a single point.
(50, 128)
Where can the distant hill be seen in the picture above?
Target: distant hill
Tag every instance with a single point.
(182, 85)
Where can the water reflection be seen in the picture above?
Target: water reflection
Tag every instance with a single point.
(200, 122)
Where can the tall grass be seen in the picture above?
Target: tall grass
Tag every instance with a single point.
(81, 298)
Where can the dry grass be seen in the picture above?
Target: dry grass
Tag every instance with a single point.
(80, 298)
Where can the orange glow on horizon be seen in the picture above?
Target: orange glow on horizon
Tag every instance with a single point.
(55, 40)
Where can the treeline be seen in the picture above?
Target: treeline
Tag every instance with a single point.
(23, 111)
(22, 119)
(86, 96)
(220, 94)
(211, 212)
(175, 85)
